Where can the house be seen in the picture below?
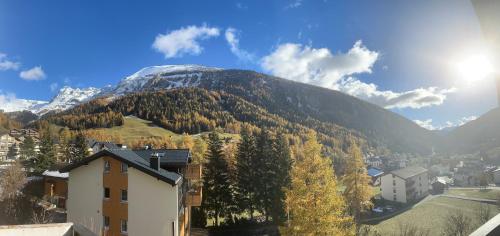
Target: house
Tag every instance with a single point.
(97, 146)
(374, 162)
(405, 185)
(55, 188)
(375, 174)
(440, 183)
(120, 191)
(7, 143)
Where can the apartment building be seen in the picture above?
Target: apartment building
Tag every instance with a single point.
(7, 142)
(405, 185)
(147, 192)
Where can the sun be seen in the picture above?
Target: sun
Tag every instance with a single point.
(473, 68)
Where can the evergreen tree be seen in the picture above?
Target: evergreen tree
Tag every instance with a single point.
(65, 143)
(218, 197)
(358, 191)
(315, 206)
(282, 167)
(266, 170)
(46, 157)
(27, 148)
(246, 178)
(80, 148)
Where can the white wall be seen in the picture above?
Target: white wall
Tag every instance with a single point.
(152, 205)
(387, 187)
(85, 195)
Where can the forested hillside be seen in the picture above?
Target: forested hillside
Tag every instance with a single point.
(6, 123)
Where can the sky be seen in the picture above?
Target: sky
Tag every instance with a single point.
(400, 55)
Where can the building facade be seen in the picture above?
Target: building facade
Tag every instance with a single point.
(119, 192)
(405, 185)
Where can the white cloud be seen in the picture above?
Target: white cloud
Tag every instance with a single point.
(294, 4)
(6, 64)
(54, 86)
(35, 73)
(428, 124)
(318, 66)
(241, 6)
(417, 98)
(184, 40)
(234, 43)
(425, 124)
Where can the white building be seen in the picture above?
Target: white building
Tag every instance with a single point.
(405, 185)
(122, 192)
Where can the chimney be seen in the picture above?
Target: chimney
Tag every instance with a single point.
(154, 161)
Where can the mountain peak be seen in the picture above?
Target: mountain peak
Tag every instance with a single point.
(155, 70)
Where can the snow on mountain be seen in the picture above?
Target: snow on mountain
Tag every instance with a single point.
(69, 97)
(9, 103)
(165, 77)
(178, 74)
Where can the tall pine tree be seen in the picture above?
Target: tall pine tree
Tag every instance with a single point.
(315, 206)
(80, 148)
(247, 176)
(46, 157)
(282, 167)
(27, 148)
(266, 170)
(218, 192)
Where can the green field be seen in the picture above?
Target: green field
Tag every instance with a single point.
(135, 128)
(492, 194)
(431, 215)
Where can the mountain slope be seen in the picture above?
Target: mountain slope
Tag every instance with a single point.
(480, 134)
(314, 107)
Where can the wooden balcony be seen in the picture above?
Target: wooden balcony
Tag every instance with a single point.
(193, 171)
(193, 197)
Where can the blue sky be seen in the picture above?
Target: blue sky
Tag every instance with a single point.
(395, 54)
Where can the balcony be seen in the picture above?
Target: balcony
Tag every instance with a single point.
(193, 171)
(193, 197)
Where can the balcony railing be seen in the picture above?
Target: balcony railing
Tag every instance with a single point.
(193, 171)
(193, 197)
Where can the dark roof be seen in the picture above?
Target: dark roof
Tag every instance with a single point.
(408, 172)
(172, 157)
(374, 172)
(108, 145)
(133, 160)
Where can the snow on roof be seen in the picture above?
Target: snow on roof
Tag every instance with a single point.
(55, 174)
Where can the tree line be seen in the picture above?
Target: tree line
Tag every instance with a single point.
(286, 180)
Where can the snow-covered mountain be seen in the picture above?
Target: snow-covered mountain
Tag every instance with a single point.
(165, 77)
(176, 75)
(68, 97)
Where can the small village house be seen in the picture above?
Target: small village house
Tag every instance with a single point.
(55, 188)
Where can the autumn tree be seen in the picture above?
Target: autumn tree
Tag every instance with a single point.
(11, 183)
(314, 204)
(457, 223)
(358, 191)
(218, 192)
(186, 142)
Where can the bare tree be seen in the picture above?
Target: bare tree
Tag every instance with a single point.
(482, 213)
(11, 184)
(457, 224)
(41, 216)
(409, 229)
(367, 230)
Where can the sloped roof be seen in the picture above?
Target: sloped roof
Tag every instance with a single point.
(167, 156)
(133, 160)
(374, 172)
(408, 172)
(55, 173)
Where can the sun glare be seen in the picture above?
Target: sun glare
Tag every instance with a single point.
(474, 68)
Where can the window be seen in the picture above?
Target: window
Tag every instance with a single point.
(394, 190)
(124, 197)
(106, 193)
(394, 182)
(394, 197)
(107, 166)
(106, 222)
(123, 226)
(124, 167)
